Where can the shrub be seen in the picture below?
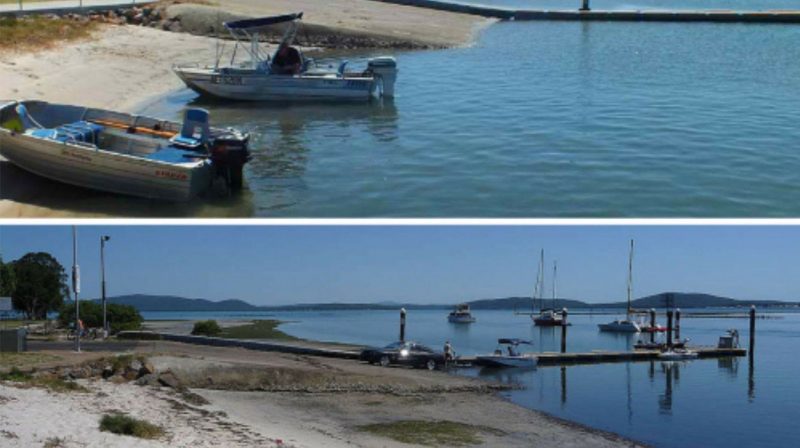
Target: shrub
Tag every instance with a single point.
(129, 426)
(206, 328)
(120, 317)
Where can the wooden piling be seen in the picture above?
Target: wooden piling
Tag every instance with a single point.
(669, 329)
(652, 325)
(678, 324)
(752, 331)
(564, 326)
(402, 324)
(585, 6)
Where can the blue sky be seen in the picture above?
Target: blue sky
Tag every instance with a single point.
(269, 265)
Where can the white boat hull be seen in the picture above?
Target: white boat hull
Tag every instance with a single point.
(677, 356)
(460, 319)
(615, 327)
(104, 170)
(267, 87)
(507, 361)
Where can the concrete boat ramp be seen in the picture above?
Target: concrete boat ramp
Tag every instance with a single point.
(729, 16)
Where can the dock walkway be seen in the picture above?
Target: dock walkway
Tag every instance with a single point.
(598, 357)
(729, 16)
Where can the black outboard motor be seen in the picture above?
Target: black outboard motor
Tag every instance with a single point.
(229, 154)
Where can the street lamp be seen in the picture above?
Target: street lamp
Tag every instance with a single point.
(103, 240)
(76, 288)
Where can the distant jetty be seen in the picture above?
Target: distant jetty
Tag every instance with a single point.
(729, 16)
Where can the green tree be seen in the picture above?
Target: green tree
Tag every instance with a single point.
(120, 317)
(40, 285)
(7, 280)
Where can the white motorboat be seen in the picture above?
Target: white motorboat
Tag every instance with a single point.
(262, 78)
(507, 355)
(461, 315)
(624, 325)
(677, 354)
(121, 153)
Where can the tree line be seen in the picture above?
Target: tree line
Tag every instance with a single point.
(38, 284)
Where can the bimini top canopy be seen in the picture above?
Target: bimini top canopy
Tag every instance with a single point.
(514, 341)
(251, 24)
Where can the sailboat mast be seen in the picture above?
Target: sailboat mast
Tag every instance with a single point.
(541, 281)
(630, 278)
(555, 272)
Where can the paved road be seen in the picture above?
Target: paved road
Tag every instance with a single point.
(62, 4)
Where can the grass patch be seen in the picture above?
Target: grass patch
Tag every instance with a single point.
(435, 433)
(54, 442)
(258, 329)
(39, 32)
(206, 328)
(47, 382)
(25, 359)
(16, 323)
(128, 426)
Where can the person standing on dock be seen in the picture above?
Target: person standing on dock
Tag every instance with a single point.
(449, 354)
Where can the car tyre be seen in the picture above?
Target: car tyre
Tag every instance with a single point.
(384, 361)
(431, 364)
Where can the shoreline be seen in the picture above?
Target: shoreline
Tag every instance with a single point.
(302, 400)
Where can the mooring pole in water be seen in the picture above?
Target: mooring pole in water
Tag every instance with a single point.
(652, 325)
(564, 326)
(752, 331)
(669, 328)
(585, 6)
(678, 324)
(402, 324)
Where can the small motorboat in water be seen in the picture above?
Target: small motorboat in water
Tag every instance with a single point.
(677, 354)
(507, 355)
(620, 326)
(122, 153)
(267, 78)
(461, 315)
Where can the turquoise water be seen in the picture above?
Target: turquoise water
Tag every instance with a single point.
(701, 403)
(542, 119)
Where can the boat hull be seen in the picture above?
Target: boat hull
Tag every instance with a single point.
(104, 170)
(506, 361)
(265, 87)
(460, 319)
(619, 328)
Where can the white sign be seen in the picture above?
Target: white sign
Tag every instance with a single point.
(5, 304)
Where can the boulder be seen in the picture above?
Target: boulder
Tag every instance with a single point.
(147, 369)
(118, 379)
(168, 379)
(108, 372)
(151, 379)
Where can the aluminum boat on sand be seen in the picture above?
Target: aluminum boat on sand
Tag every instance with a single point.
(262, 78)
(122, 153)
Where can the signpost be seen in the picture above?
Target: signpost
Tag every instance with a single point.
(5, 308)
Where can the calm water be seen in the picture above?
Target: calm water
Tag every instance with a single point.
(739, 5)
(544, 119)
(702, 403)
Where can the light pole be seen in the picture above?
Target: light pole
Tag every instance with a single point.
(76, 288)
(103, 240)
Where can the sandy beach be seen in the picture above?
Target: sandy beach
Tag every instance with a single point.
(272, 399)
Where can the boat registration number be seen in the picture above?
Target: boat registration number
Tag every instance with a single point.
(226, 79)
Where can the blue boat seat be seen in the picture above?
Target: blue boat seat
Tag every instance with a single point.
(195, 130)
(81, 131)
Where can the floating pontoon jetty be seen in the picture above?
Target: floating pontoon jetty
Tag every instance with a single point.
(768, 16)
(559, 359)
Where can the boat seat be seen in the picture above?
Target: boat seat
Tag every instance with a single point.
(81, 131)
(195, 130)
(172, 154)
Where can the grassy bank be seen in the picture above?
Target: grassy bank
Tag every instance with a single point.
(430, 433)
(10, 360)
(49, 382)
(258, 329)
(39, 32)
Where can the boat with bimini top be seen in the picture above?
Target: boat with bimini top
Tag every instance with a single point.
(122, 153)
(286, 74)
(507, 354)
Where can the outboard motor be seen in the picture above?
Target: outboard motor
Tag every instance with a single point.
(385, 68)
(229, 153)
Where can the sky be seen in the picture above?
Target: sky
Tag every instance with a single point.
(276, 265)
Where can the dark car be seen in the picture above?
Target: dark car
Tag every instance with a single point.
(404, 353)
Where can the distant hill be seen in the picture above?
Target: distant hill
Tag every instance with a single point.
(173, 303)
(144, 302)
